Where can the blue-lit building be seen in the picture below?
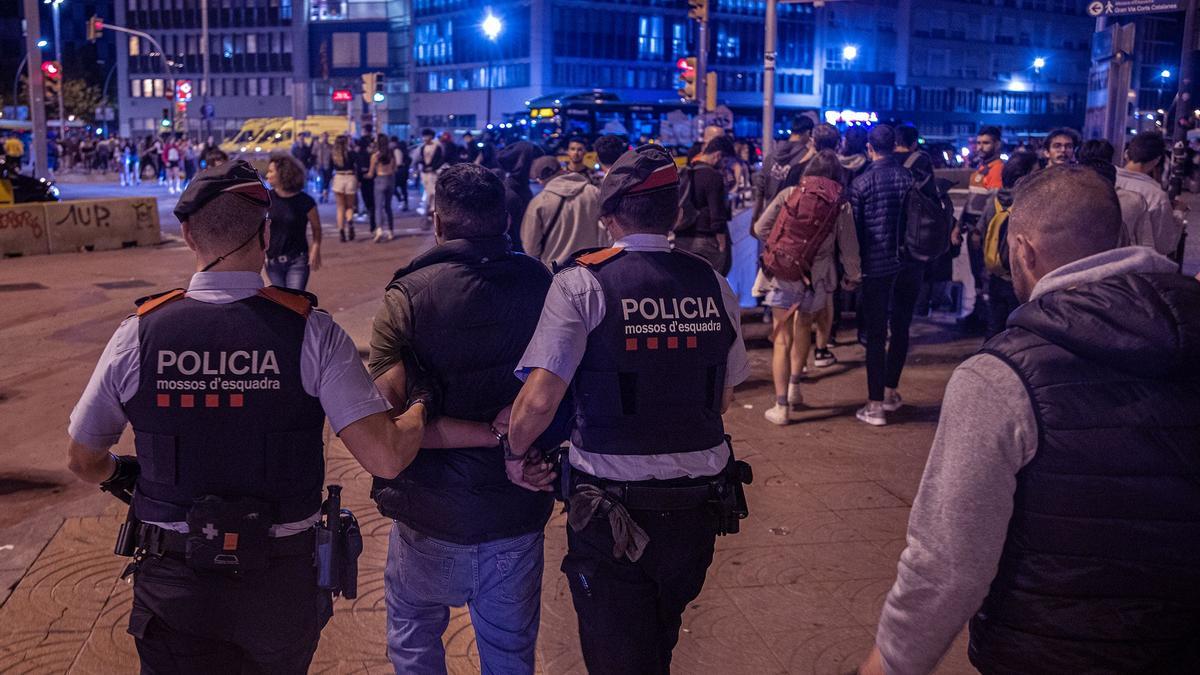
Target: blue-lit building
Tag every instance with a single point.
(948, 65)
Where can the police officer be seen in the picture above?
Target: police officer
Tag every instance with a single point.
(648, 340)
(227, 386)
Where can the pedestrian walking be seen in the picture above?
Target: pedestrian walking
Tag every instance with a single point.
(382, 173)
(345, 186)
(890, 280)
(1159, 229)
(564, 218)
(403, 159)
(14, 149)
(650, 477)
(1002, 299)
(365, 150)
(1061, 447)
(854, 152)
(290, 255)
(462, 533)
(797, 216)
(172, 154)
(430, 160)
(225, 488)
(516, 160)
(131, 163)
(703, 222)
(190, 161)
(323, 161)
(609, 149)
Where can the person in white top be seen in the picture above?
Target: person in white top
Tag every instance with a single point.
(1159, 229)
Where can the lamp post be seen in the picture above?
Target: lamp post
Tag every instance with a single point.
(17, 77)
(1162, 84)
(849, 54)
(62, 114)
(491, 29)
(1038, 63)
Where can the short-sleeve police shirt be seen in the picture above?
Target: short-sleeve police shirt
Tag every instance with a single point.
(330, 370)
(574, 307)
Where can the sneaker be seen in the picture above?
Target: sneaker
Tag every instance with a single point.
(892, 401)
(823, 358)
(871, 415)
(378, 236)
(778, 414)
(795, 397)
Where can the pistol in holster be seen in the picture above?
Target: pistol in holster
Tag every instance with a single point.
(730, 497)
(339, 543)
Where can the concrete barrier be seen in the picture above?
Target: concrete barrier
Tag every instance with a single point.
(101, 224)
(23, 230)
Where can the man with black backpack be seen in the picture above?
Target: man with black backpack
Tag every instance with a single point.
(702, 226)
(879, 198)
(564, 218)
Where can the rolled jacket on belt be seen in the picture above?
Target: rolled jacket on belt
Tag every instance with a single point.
(629, 539)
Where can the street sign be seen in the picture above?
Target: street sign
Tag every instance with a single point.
(183, 90)
(342, 95)
(1131, 7)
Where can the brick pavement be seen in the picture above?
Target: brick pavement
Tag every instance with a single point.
(798, 591)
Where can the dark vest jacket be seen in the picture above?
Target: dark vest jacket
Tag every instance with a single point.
(653, 374)
(220, 407)
(474, 307)
(1101, 566)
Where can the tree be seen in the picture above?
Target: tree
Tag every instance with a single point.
(81, 99)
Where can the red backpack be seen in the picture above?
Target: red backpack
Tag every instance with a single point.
(808, 217)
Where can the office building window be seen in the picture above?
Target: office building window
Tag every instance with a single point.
(679, 46)
(346, 50)
(252, 87)
(728, 45)
(377, 49)
(650, 37)
(834, 59)
(134, 45)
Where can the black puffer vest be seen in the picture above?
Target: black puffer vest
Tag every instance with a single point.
(1101, 566)
(652, 377)
(475, 305)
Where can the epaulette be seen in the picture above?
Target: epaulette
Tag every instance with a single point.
(598, 258)
(152, 302)
(300, 302)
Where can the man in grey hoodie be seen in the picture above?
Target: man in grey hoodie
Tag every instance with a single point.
(1060, 506)
(564, 217)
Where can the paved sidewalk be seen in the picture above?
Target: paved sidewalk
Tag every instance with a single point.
(798, 591)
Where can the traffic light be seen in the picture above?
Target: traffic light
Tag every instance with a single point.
(698, 10)
(368, 86)
(710, 91)
(166, 118)
(95, 28)
(379, 96)
(687, 73)
(52, 72)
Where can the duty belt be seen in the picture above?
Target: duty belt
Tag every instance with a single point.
(645, 498)
(157, 541)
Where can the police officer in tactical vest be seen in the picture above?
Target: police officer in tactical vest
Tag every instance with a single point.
(461, 314)
(648, 341)
(227, 386)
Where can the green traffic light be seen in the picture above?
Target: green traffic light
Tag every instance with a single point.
(378, 97)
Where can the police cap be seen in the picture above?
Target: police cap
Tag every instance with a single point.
(237, 178)
(647, 168)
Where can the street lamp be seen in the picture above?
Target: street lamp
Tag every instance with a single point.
(1038, 64)
(1162, 83)
(17, 77)
(491, 29)
(42, 43)
(849, 53)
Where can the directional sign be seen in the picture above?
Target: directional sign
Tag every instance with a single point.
(342, 95)
(1131, 7)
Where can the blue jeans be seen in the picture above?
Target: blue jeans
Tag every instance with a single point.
(499, 581)
(292, 273)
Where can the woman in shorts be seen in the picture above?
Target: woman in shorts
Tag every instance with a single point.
(795, 305)
(345, 187)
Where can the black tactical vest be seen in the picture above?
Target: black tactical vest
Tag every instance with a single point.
(221, 410)
(653, 375)
(1101, 565)
(474, 307)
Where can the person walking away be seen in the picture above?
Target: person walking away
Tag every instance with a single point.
(516, 160)
(173, 154)
(450, 150)
(129, 163)
(462, 533)
(383, 178)
(190, 161)
(211, 464)
(703, 224)
(796, 304)
(564, 218)
(1160, 229)
(1098, 154)
(576, 150)
(157, 147)
(362, 162)
(1061, 145)
(323, 157)
(403, 160)
(1062, 446)
(649, 451)
(431, 159)
(345, 186)
(609, 149)
(890, 281)
(854, 152)
(290, 256)
(1002, 299)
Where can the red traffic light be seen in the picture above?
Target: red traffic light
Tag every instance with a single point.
(52, 69)
(683, 64)
(342, 95)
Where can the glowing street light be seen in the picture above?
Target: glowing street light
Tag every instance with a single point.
(850, 52)
(492, 26)
(42, 43)
(1039, 63)
(1165, 74)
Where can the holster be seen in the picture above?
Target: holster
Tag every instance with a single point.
(731, 503)
(339, 544)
